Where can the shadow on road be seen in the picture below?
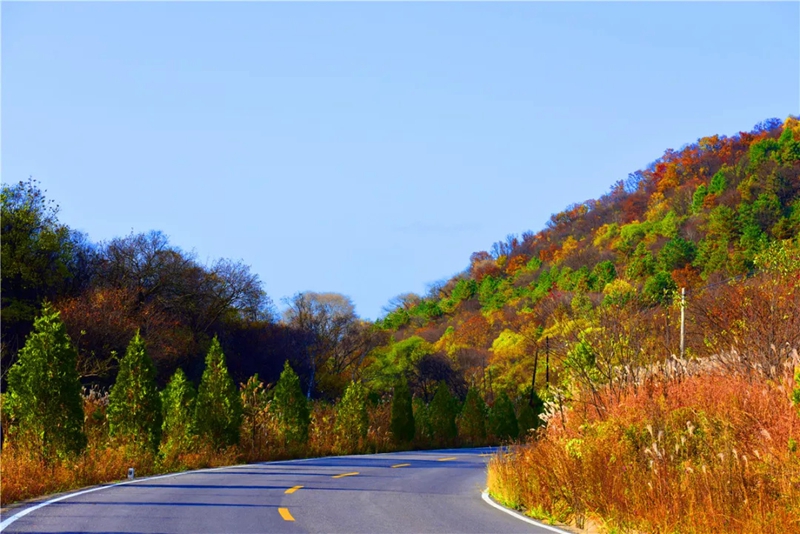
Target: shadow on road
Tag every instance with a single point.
(201, 486)
(126, 503)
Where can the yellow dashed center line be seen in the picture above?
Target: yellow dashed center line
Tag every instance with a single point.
(292, 490)
(346, 475)
(285, 514)
(401, 465)
(447, 459)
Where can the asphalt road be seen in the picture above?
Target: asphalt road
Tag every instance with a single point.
(409, 492)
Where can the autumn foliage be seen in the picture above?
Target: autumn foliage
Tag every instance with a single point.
(646, 430)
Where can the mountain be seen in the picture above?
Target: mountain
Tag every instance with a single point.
(692, 219)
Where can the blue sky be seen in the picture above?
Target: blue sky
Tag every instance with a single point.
(369, 148)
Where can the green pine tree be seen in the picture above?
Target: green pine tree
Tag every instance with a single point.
(402, 424)
(472, 420)
(443, 416)
(177, 401)
(352, 419)
(218, 409)
(502, 419)
(44, 392)
(718, 183)
(699, 196)
(134, 405)
(291, 407)
(423, 432)
(254, 401)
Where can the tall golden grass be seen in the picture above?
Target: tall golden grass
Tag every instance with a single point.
(707, 453)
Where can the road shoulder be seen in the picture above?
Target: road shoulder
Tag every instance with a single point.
(560, 529)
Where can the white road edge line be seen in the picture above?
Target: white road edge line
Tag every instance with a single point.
(485, 495)
(8, 521)
(22, 513)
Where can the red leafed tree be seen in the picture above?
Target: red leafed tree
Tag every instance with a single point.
(482, 269)
(102, 321)
(687, 277)
(515, 264)
(474, 332)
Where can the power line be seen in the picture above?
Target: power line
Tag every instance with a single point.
(748, 274)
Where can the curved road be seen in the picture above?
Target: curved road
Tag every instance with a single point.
(407, 492)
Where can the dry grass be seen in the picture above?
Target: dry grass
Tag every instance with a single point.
(24, 475)
(712, 452)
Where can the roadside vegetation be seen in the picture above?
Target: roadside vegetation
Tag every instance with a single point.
(566, 343)
(684, 445)
(60, 437)
(710, 451)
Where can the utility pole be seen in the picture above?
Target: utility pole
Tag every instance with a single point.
(683, 321)
(533, 380)
(547, 360)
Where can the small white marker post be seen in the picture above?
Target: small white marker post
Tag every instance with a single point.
(130, 473)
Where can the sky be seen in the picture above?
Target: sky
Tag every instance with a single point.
(368, 148)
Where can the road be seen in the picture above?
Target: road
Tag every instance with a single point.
(408, 492)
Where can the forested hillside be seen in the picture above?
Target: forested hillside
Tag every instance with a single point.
(696, 218)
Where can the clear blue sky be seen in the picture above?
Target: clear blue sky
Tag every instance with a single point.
(369, 148)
